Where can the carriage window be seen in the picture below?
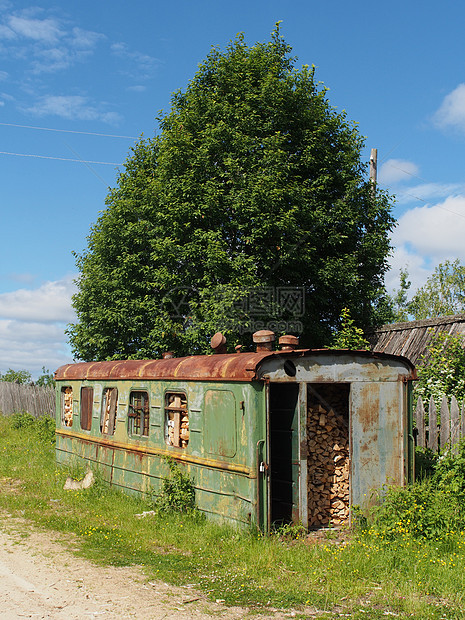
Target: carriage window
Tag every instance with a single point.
(138, 416)
(67, 406)
(108, 415)
(176, 420)
(87, 400)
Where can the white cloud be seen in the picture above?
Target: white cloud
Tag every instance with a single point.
(437, 230)
(136, 64)
(46, 30)
(73, 107)
(49, 303)
(30, 346)
(418, 271)
(451, 113)
(6, 32)
(397, 171)
(426, 236)
(51, 59)
(85, 38)
(427, 192)
(32, 326)
(45, 45)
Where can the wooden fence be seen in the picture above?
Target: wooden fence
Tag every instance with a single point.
(34, 399)
(439, 431)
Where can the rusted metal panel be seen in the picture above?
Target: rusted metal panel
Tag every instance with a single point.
(234, 367)
(136, 448)
(377, 438)
(230, 367)
(336, 366)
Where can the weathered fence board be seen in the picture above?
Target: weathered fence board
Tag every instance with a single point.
(438, 432)
(420, 424)
(454, 421)
(34, 399)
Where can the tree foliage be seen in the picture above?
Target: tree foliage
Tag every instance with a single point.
(443, 294)
(46, 379)
(349, 336)
(254, 182)
(441, 370)
(400, 303)
(16, 376)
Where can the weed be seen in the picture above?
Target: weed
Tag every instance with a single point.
(177, 493)
(291, 531)
(23, 419)
(44, 426)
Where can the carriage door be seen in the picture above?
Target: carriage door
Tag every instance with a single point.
(283, 428)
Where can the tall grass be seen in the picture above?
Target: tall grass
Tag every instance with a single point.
(385, 569)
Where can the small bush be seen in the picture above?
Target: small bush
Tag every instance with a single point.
(177, 493)
(291, 531)
(430, 507)
(44, 426)
(23, 419)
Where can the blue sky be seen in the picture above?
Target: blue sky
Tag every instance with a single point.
(83, 80)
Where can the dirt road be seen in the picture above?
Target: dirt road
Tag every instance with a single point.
(41, 578)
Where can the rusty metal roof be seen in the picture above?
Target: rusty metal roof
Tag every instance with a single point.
(231, 367)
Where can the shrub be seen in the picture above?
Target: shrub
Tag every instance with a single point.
(44, 426)
(177, 493)
(22, 419)
(441, 370)
(430, 507)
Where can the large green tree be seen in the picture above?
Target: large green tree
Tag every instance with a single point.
(443, 293)
(254, 180)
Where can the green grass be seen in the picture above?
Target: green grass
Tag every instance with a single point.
(374, 575)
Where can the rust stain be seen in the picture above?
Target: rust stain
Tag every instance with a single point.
(368, 413)
(233, 367)
(138, 449)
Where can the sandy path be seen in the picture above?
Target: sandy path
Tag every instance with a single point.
(41, 578)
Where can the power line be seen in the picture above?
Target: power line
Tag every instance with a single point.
(86, 133)
(81, 161)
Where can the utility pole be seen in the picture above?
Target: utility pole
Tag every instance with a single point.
(374, 165)
(373, 171)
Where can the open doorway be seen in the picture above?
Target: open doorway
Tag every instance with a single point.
(284, 455)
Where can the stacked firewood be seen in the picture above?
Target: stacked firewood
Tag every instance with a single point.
(328, 466)
(68, 406)
(178, 421)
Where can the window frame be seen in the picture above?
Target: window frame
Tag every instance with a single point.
(66, 416)
(109, 410)
(180, 434)
(141, 414)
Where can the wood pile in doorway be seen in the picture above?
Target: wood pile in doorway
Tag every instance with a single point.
(328, 466)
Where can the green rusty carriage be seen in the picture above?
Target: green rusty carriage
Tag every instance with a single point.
(266, 437)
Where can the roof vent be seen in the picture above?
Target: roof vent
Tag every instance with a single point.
(264, 340)
(167, 355)
(218, 343)
(288, 342)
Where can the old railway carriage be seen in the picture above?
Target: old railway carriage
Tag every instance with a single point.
(266, 437)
